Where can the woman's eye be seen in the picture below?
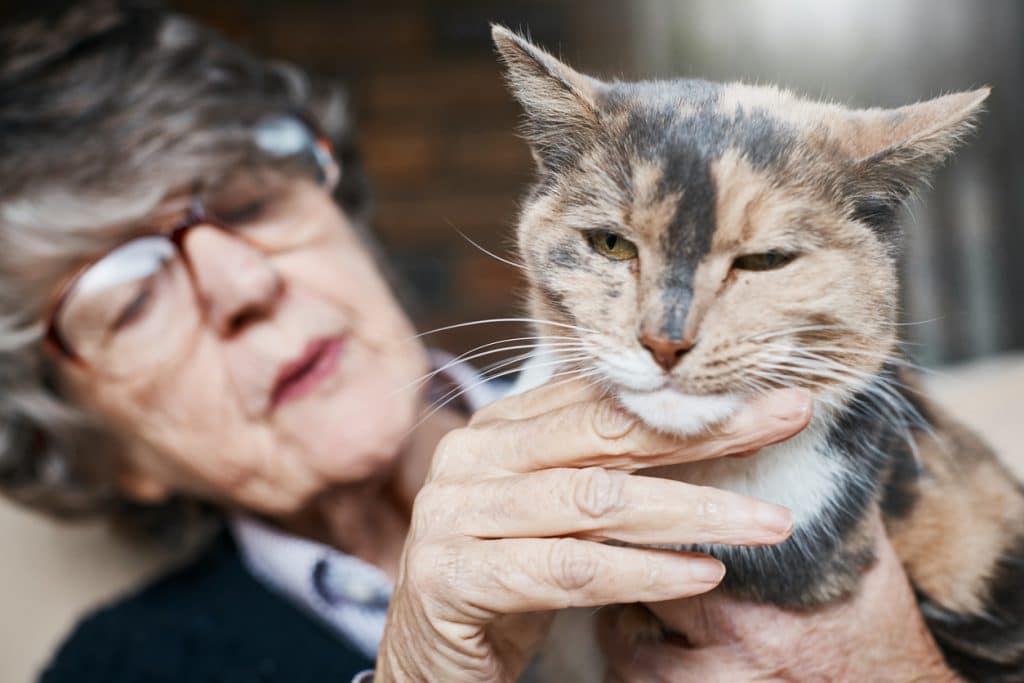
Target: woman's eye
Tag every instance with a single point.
(245, 213)
(769, 260)
(611, 245)
(134, 310)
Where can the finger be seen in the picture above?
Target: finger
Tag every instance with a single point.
(600, 433)
(512, 576)
(543, 399)
(601, 504)
(765, 420)
(768, 420)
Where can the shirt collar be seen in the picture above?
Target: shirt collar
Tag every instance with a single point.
(344, 592)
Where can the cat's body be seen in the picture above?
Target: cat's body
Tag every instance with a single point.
(708, 242)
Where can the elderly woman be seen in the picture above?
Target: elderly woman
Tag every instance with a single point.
(191, 318)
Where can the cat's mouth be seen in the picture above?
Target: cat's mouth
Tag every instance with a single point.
(672, 411)
(655, 399)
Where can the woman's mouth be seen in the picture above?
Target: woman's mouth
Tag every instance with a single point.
(299, 377)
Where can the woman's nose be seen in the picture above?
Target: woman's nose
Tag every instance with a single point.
(235, 282)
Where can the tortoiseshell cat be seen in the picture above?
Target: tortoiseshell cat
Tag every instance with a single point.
(710, 241)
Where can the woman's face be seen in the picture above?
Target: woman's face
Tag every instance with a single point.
(297, 379)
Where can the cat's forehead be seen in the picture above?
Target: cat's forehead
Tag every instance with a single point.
(683, 124)
(673, 155)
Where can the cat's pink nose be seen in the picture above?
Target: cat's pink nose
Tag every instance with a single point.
(666, 352)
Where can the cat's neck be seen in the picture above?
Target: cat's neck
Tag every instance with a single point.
(830, 476)
(802, 473)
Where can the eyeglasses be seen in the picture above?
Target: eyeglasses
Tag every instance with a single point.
(138, 305)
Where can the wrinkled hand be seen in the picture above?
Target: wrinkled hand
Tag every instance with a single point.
(876, 635)
(510, 524)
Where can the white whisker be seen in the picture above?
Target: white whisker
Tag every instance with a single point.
(575, 373)
(466, 237)
(493, 373)
(790, 330)
(569, 343)
(491, 321)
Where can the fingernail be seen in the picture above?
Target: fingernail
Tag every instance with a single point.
(774, 518)
(790, 404)
(707, 570)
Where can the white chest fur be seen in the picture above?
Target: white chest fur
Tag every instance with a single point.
(799, 474)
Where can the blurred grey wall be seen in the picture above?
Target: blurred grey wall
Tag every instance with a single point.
(963, 272)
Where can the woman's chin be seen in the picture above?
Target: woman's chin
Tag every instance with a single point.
(347, 439)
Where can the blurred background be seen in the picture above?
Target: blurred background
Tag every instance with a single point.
(438, 128)
(438, 137)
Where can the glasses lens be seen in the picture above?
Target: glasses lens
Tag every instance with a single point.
(268, 209)
(132, 310)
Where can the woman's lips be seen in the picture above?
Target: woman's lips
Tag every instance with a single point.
(300, 376)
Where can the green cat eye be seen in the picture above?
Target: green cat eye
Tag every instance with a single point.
(611, 245)
(769, 260)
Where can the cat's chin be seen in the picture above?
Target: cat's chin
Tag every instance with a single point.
(669, 411)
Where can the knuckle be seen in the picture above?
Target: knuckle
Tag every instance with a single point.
(596, 493)
(450, 449)
(610, 420)
(422, 512)
(433, 567)
(485, 414)
(418, 557)
(498, 410)
(433, 502)
(570, 566)
(520, 441)
(652, 573)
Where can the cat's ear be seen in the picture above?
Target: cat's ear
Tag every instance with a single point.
(559, 102)
(896, 150)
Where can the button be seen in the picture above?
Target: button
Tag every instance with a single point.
(359, 590)
(335, 587)
(323, 586)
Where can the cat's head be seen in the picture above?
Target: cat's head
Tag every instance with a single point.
(696, 242)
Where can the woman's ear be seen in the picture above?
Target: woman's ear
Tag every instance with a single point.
(559, 103)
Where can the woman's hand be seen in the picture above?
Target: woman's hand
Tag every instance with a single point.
(877, 635)
(511, 521)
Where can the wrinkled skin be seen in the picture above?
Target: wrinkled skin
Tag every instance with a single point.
(510, 522)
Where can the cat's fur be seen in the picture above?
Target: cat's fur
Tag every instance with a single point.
(696, 174)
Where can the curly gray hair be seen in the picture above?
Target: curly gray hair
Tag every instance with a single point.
(105, 108)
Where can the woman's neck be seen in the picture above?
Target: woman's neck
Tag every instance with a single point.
(370, 519)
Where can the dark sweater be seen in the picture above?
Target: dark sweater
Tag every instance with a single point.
(209, 622)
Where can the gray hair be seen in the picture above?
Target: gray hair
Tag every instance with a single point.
(105, 108)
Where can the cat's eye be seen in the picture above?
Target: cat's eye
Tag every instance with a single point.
(611, 245)
(768, 260)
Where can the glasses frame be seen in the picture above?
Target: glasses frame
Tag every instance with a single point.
(196, 215)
